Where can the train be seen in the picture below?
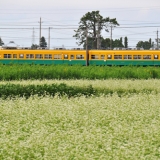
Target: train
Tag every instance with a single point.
(81, 57)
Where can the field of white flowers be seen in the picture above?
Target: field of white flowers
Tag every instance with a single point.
(112, 84)
(105, 127)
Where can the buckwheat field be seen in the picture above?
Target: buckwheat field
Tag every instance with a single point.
(107, 126)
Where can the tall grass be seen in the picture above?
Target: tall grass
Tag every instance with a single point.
(17, 72)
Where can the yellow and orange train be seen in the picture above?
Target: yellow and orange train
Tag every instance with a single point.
(72, 57)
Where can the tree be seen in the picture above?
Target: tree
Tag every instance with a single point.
(92, 24)
(146, 44)
(150, 41)
(34, 46)
(125, 42)
(117, 43)
(1, 42)
(105, 43)
(43, 42)
(121, 40)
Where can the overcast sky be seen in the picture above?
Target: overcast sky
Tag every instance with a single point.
(138, 19)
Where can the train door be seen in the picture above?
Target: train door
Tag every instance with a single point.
(156, 60)
(65, 58)
(109, 59)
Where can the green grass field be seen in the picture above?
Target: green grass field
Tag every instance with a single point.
(18, 72)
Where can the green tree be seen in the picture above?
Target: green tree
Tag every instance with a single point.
(117, 43)
(150, 41)
(43, 42)
(144, 44)
(34, 46)
(125, 42)
(1, 42)
(121, 40)
(91, 24)
(105, 43)
(91, 42)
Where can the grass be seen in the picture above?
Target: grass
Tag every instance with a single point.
(18, 72)
(72, 88)
(105, 127)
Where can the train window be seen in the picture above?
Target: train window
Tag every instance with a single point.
(102, 56)
(47, 56)
(146, 56)
(137, 57)
(72, 57)
(117, 56)
(65, 56)
(15, 56)
(155, 56)
(21, 56)
(109, 57)
(7, 56)
(39, 56)
(57, 56)
(29, 56)
(94, 57)
(127, 56)
(79, 56)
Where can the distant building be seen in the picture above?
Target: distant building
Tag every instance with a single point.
(10, 45)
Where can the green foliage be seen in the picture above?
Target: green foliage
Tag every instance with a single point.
(34, 46)
(105, 43)
(18, 72)
(89, 23)
(150, 42)
(16, 90)
(1, 42)
(43, 42)
(117, 43)
(144, 44)
(125, 42)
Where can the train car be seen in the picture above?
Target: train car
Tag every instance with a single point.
(45, 57)
(125, 57)
(72, 57)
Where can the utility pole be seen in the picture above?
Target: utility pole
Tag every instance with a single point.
(98, 35)
(111, 37)
(86, 47)
(49, 38)
(33, 37)
(157, 40)
(40, 32)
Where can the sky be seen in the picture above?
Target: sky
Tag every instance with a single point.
(19, 20)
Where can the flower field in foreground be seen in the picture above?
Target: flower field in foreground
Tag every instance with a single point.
(105, 127)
